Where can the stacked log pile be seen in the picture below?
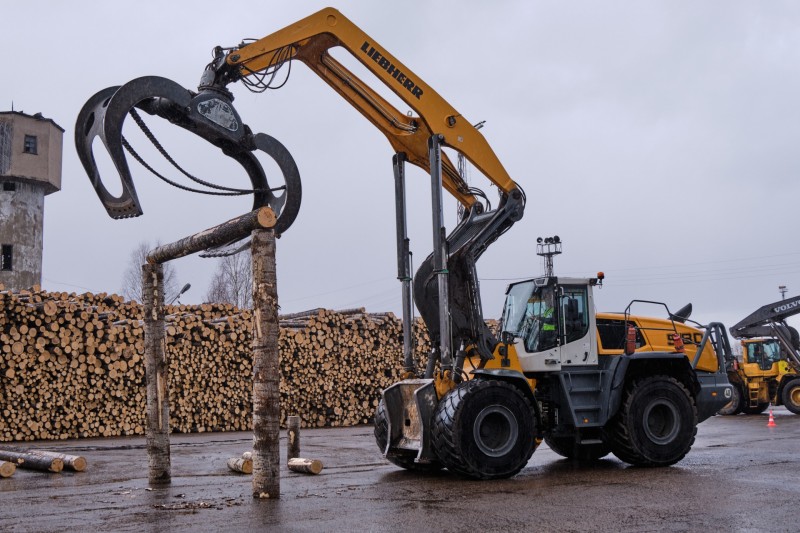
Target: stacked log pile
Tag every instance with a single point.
(72, 365)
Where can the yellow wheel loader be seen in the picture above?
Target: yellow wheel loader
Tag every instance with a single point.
(769, 372)
(482, 403)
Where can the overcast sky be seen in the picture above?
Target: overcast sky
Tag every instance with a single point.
(657, 139)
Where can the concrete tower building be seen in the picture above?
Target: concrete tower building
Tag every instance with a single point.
(30, 169)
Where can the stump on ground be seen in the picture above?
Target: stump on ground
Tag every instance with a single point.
(293, 437)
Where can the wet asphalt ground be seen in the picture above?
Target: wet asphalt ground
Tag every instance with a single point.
(740, 476)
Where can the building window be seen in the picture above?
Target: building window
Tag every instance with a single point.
(9, 186)
(30, 144)
(7, 257)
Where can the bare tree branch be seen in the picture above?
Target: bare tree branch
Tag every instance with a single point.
(132, 277)
(232, 282)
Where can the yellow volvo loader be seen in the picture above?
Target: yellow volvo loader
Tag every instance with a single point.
(770, 368)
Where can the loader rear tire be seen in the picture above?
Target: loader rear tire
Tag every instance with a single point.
(565, 447)
(791, 396)
(403, 460)
(735, 406)
(656, 423)
(484, 429)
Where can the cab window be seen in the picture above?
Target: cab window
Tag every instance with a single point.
(574, 314)
(764, 354)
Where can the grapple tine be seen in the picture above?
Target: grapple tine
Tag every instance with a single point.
(88, 126)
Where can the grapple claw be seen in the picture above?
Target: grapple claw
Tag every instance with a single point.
(208, 114)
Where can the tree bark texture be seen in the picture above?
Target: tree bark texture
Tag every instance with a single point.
(156, 372)
(266, 369)
(227, 232)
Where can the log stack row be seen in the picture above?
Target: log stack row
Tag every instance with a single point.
(72, 365)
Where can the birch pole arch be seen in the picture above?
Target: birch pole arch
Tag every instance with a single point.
(210, 115)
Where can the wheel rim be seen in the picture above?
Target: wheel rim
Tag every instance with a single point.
(495, 430)
(794, 395)
(661, 422)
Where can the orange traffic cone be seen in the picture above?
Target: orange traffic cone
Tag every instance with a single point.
(771, 423)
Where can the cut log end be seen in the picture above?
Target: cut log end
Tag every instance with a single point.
(7, 469)
(241, 465)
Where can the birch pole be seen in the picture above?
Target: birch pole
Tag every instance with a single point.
(156, 372)
(266, 370)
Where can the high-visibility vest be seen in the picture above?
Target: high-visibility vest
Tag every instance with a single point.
(547, 326)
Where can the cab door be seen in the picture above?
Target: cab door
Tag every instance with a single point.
(578, 344)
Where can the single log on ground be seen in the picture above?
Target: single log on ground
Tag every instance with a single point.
(241, 464)
(76, 463)
(305, 466)
(32, 461)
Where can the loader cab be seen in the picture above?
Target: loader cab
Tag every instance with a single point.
(552, 323)
(762, 353)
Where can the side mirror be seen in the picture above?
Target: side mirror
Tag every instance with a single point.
(506, 337)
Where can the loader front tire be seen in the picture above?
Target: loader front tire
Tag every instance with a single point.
(656, 423)
(791, 396)
(735, 406)
(484, 429)
(403, 460)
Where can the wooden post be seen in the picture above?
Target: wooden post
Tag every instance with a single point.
(293, 434)
(266, 370)
(156, 371)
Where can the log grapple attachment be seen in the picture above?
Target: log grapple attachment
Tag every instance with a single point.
(208, 113)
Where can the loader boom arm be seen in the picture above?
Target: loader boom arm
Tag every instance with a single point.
(770, 321)
(310, 40)
(459, 320)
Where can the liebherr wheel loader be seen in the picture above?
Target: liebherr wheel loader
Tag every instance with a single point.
(589, 385)
(643, 403)
(770, 368)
